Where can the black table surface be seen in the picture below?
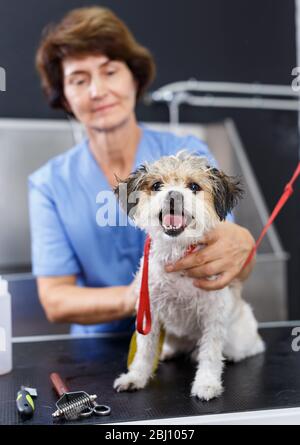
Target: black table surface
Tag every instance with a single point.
(266, 381)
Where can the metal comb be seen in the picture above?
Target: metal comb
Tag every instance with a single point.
(71, 404)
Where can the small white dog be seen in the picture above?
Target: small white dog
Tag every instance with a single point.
(180, 198)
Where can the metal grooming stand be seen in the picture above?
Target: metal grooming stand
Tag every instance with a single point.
(277, 97)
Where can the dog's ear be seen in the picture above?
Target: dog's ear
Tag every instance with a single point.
(128, 189)
(227, 191)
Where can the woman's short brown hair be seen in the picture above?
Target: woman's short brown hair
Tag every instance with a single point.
(86, 31)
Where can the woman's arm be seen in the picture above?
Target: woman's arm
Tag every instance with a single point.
(64, 301)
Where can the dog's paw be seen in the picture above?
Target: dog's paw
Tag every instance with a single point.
(236, 354)
(129, 381)
(207, 389)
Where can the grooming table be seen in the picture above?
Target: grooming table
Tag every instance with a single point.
(265, 388)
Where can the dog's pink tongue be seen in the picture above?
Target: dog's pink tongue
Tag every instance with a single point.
(173, 220)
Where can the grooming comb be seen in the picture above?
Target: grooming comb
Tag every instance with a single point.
(71, 404)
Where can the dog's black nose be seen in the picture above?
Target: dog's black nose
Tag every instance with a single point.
(175, 195)
(175, 201)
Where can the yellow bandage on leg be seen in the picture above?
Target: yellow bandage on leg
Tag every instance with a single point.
(133, 347)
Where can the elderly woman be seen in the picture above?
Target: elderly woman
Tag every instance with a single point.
(92, 67)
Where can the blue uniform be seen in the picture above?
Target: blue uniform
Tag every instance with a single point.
(65, 200)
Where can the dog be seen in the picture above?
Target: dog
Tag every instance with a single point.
(178, 199)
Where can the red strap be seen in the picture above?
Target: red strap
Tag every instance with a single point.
(190, 249)
(288, 191)
(144, 302)
(144, 312)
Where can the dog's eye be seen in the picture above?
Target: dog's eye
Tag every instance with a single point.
(194, 187)
(156, 186)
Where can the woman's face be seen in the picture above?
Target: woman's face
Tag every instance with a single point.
(100, 92)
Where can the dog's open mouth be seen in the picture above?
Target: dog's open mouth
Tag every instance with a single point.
(173, 224)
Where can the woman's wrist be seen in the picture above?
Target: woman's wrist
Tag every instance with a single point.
(124, 303)
(250, 244)
(128, 301)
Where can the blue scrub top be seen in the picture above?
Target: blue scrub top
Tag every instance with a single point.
(65, 205)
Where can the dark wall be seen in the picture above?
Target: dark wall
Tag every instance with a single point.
(232, 40)
(216, 40)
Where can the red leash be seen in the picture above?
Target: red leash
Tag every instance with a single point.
(288, 191)
(144, 302)
(144, 312)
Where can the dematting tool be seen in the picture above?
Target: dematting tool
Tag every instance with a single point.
(75, 405)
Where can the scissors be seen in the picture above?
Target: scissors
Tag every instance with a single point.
(97, 410)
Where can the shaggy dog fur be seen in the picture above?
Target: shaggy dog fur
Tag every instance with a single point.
(176, 200)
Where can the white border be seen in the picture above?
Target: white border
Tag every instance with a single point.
(41, 338)
(57, 337)
(285, 416)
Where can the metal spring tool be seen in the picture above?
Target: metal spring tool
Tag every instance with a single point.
(75, 405)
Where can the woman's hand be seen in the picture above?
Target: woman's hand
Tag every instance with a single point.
(227, 248)
(130, 298)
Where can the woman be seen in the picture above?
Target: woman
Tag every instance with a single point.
(92, 67)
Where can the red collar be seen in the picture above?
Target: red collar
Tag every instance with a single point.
(144, 312)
